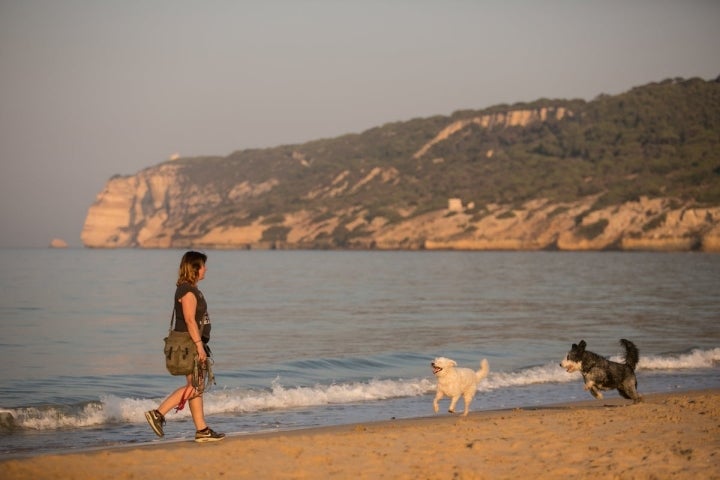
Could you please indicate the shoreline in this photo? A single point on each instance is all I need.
(669, 435)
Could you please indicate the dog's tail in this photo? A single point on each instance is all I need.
(484, 370)
(632, 355)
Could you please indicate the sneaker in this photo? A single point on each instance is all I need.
(208, 435)
(156, 421)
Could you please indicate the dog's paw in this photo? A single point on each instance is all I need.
(596, 393)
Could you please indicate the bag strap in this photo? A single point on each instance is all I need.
(172, 318)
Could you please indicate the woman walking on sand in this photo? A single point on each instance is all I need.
(189, 304)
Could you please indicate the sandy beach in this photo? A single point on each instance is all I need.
(667, 436)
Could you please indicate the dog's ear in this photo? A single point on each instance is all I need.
(582, 344)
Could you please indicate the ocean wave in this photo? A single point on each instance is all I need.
(54, 417)
(695, 358)
(112, 409)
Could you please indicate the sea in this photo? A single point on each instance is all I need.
(305, 339)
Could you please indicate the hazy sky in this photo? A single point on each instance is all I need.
(94, 88)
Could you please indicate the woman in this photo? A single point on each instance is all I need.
(189, 304)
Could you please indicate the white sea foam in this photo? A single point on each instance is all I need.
(696, 358)
(548, 373)
(57, 417)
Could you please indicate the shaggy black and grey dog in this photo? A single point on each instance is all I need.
(600, 373)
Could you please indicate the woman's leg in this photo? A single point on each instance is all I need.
(198, 415)
(156, 418)
(174, 399)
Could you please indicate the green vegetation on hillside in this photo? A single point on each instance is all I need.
(661, 139)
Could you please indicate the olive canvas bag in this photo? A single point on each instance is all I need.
(180, 353)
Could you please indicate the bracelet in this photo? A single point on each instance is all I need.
(198, 341)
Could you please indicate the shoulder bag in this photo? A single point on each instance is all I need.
(180, 351)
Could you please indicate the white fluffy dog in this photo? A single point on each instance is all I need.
(454, 381)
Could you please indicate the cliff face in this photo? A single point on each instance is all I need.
(639, 171)
(161, 208)
(512, 118)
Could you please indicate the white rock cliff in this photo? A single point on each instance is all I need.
(159, 208)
